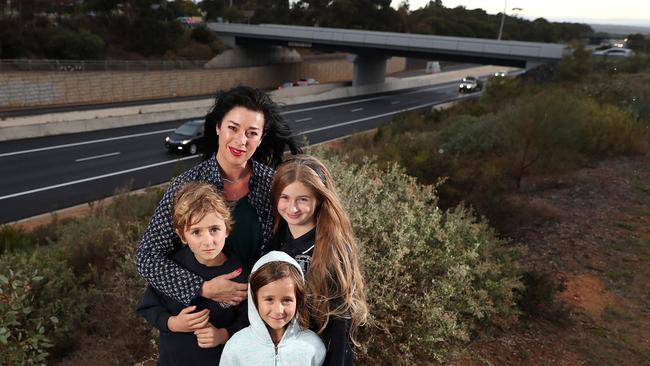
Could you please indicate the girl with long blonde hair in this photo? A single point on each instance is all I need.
(312, 227)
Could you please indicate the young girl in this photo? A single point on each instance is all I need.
(277, 335)
(312, 227)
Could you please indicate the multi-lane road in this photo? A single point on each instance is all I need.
(46, 174)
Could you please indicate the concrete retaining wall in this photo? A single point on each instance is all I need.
(52, 124)
(38, 89)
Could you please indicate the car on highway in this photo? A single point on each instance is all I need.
(286, 85)
(188, 138)
(500, 74)
(616, 52)
(306, 82)
(470, 84)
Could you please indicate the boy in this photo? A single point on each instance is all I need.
(195, 335)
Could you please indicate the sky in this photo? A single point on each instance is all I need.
(624, 12)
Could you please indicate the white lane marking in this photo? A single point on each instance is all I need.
(94, 178)
(169, 130)
(97, 156)
(356, 110)
(368, 99)
(368, 118)
(395, 102)
(84, 143)
(303, 119)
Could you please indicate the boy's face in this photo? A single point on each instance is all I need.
(206, 239)
(276, 303)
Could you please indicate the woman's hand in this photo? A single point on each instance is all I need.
(186, 321)
(210, 336)
(223, 289)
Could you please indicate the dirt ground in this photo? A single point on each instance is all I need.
(595, 240)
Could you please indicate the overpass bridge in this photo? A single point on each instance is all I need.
(373, 48)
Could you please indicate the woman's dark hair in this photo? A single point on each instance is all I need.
(277, 134)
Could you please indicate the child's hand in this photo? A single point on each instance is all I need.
(223, 289)
(209, 336)
(186, 321)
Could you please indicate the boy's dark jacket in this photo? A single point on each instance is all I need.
(182, 348)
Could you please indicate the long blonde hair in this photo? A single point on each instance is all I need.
(334, 282)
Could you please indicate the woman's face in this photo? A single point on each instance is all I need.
(239, 135)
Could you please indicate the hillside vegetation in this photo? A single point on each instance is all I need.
(96, 30)
(425, 194)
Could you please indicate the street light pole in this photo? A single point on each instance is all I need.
(503, 19)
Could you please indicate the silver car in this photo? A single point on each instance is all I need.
(615, 52)
(470, 84)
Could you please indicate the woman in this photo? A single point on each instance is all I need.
(245, 139)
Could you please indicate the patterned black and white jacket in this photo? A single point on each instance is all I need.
(159, 240)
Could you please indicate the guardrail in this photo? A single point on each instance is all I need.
(9, 65)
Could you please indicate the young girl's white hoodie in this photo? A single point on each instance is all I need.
(253, 345)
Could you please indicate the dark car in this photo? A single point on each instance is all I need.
(187, 138)
(470, 84)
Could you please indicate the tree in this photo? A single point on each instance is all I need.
(574, 67)
(271, 11)
(638, 43)
(184, 8)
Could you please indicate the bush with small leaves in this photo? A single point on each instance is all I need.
(14, 238)
(431, 276)
(41, 305)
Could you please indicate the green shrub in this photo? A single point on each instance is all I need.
(431, 276)
(41, 305)
(68, 44)
(501, 91)
(575, 66)
(469, 135)
(89, 246)
(101, 248)
(612, 131)
(609, 90)
(545, 134)
(203, 35)
(129, 208)
(153, 37)
(539, 298)
(97, 251)
(13, 238)
(116, 287)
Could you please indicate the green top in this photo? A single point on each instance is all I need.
(245, 236)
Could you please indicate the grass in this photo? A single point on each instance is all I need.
(613, 313)
(625, 225)
(641, 185)
(620, 275)
(632, 244)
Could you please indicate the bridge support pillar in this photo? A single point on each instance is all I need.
(532, 64)
(368, 70)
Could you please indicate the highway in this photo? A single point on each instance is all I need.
(45, 174)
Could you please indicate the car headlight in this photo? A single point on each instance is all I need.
(185, 142)
(167, 139)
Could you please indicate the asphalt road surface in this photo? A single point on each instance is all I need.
(45, 174)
